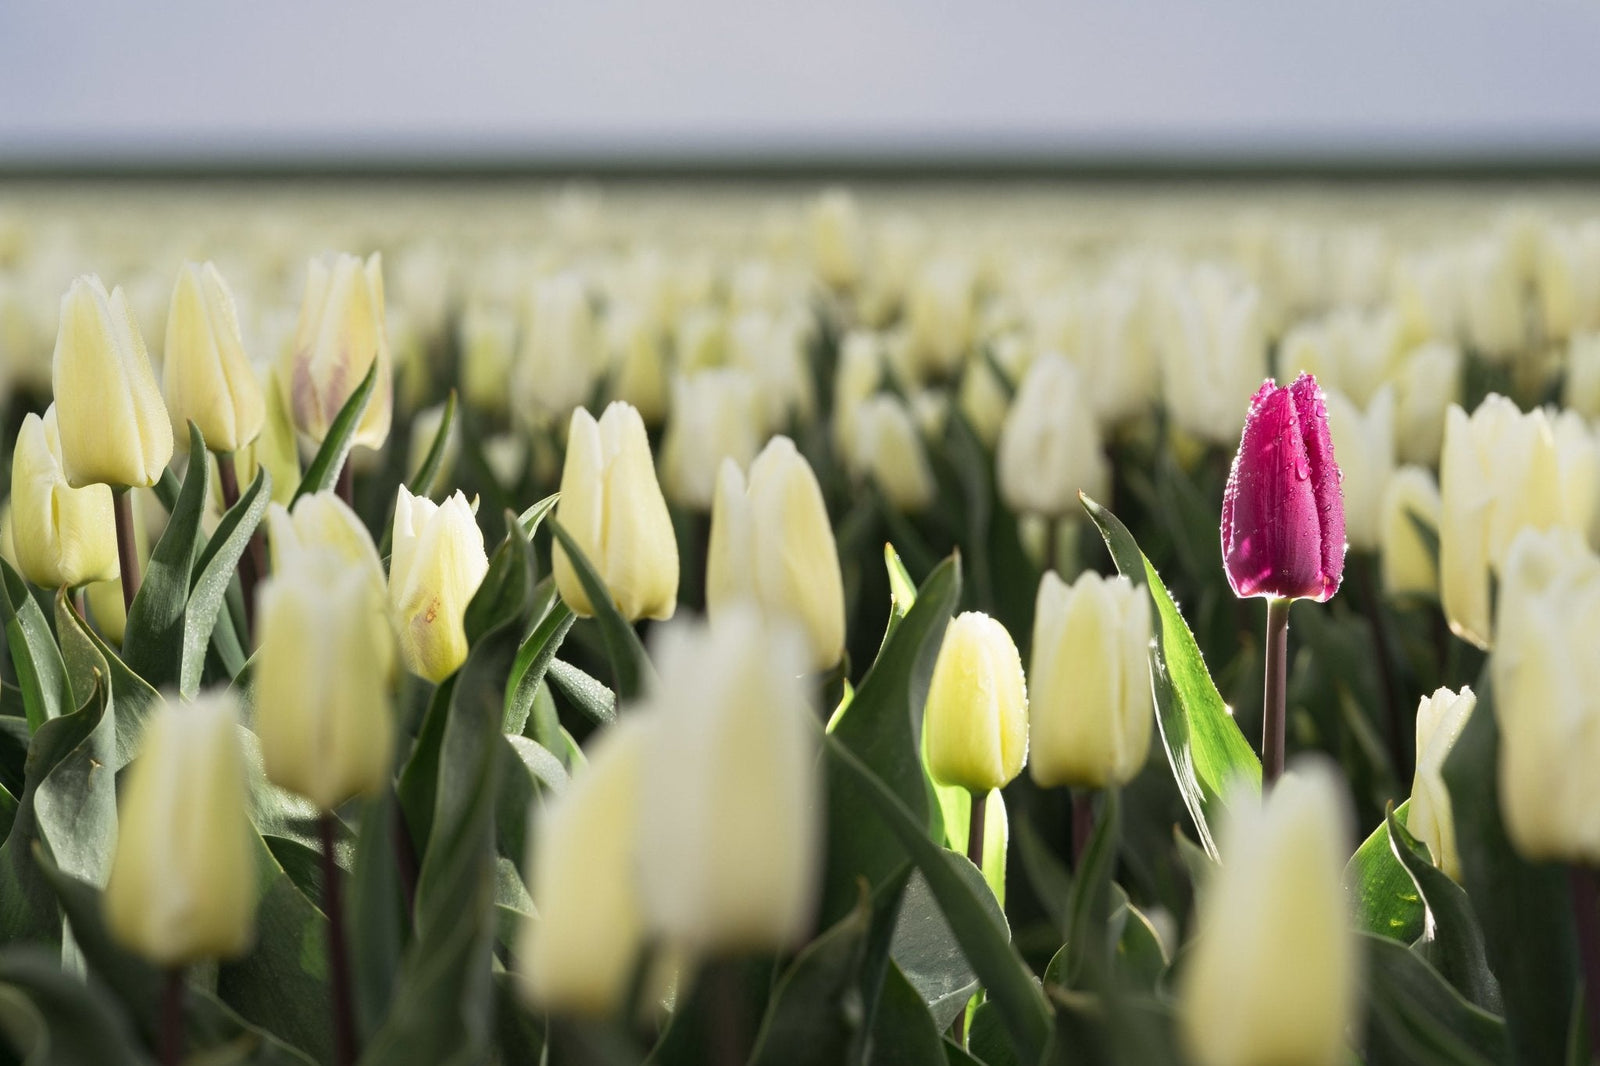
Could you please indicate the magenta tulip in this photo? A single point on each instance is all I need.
(1282, 514)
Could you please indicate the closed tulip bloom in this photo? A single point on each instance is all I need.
(1049, 447)
(1090, 706)
(63, 537)
(113, 424)
(1578, 462)
(939, 315)
(1282, 514)
(612, 506)
(206, 377)
(1546, 681)
(889, 452)
(322, 679)
(322, 521)
(275, 447)
(731, 819)
(437, 565)
(1499, 474)
(1213, 349)
(638, 363)
(1408, 564)
(838, 240)
(1364, 442)
(859, 374)
(340, 335)
(578, 955)
(716, 415)
(1440, 719)
(183, 878)
(1426, 384)
(487, 337)
(562, 354)
(975, 722)
(1271, 975)
(772, 544)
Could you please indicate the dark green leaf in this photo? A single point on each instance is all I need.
(40, 672)
(379, 921)
(505, 593)
(422, 482)
(533, 517)
(1453, 943)
(984, 940)
(586, 695)
(212, 575)
(927, 954)
(904, 1033)
(1205, 749)
(323, 473)
(1090, 937)
(419, 778)
(70, 1020)
(628, 659)
(1416, 1019)
(1386, 899)
(1523, 909)
(154, 644)
(533, 659)
(814, 1017)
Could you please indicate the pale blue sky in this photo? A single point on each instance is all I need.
(323, 80)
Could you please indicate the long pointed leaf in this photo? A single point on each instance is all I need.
(153, 647)
(628, 659)
(323, 473)
(213, 573)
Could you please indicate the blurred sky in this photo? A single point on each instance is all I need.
(336, 80)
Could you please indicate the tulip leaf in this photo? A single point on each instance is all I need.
(422, 481)
(583, 692)
(323, 473)
(154, 642)
(904, 1032)
(880, 727)
(51, 1015)
(209, 1023)
(1386, 899)
(1091, 940)
(1452, 941)
(1207, 752)
(533, 517)
(925, 951)
(814, 1016)
(969, 909)
(41, 675)
(1416, 1019)
(212, 575)
(1524, 909)
(419, 777)
(505, 593)
(380, 920)
(533, 660)
(628, 659)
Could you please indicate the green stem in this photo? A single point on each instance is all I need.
(1082, 824)
(1273, 709)
(127, 548)
(344, 1030)
(975, 825)
(1586, 917)
(172, 1017)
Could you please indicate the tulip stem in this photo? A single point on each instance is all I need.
(1273, 706)
(1082, 824)
(251, 564)
(975, 825)
(344, 1033)
(172, 1017)
(345, 486)
(1586, 916)
(127, 550)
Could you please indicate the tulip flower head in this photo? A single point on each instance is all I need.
(206, 377)
(341, 333)
(438, 563)
(975, 723)
(1440, 719)
(61, 537)
(1282, 514)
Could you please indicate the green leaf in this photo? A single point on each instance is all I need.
(927, 953)
(1385, 897)
(1416, 1019)
(814, 1016)
(1205, 749)
(212, 575)
(1091, 940)
(380, 923)
(323, 473)
(1141, 956)
(209, 1024)
(904, 1033)
(40, 673)
(984, 940)
(419, 778)
(422, 481)
(1452, 943)
(90, 664)
(955, 810)
(583, 692)
(880, 727)
(629, 662)
(533, 660)
(53, 1016)
(506, 591)
(533, 517)
(154, 645)
(1523, 909)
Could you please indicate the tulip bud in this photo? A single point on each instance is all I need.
(1547, 696)
(889, 452)
(984, 400)
(578, 955)
(939, 315)
(183, 878)
(1440, 719)
(340, 334)
(322, 678)
(275, 447)
(858, 376)
(612, 507)
(730, 825)
(975, 722)
(437, 565)
(1282, 515)
(560, 361)
(715, 416)
(1427, 383)
(322, 521)
(1578, 460)
(772, 543)
(1271, 975)
(1499, 474)
(1090, 704)
(488, 339)
(1049, 446)
(1409, 565)
(114, 428)
(63, 537)
(1213, 351)
(206, 377)
(1581, 392)
(638, 364)
(837, 239)
(1364, 442)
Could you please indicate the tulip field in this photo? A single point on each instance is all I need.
(771, 624)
